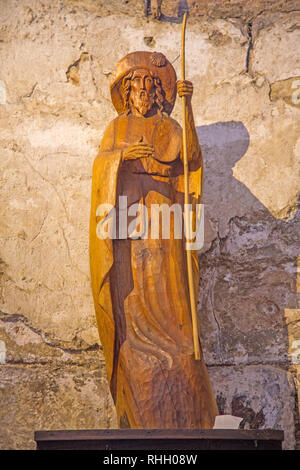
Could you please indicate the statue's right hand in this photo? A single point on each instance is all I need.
(139, 150)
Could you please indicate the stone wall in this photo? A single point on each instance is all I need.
(56, 60)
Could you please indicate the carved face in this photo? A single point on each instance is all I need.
(142, 94)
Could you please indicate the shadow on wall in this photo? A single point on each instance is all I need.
(155, 8)
(248, 271)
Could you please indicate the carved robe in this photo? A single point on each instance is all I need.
(140, 286)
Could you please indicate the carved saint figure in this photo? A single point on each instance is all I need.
(139, 283)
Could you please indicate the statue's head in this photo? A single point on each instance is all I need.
(144, 83)
(142, 92)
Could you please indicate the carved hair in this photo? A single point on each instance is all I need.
(159, 93)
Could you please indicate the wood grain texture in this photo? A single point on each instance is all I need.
(140, 285)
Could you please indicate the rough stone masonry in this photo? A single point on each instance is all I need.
(56, 60)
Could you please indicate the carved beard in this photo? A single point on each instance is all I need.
(142, 101)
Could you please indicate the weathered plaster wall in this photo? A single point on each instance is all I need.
(56, 59)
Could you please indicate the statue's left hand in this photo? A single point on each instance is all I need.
(184, 88)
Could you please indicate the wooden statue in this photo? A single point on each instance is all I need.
(140, 284)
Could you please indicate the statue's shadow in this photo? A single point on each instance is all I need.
(248, 267)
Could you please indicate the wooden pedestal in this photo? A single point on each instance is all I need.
(159, 439)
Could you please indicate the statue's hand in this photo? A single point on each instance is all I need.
(184, 88)
(139, 150)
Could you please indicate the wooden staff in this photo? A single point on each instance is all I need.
(186, 202)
